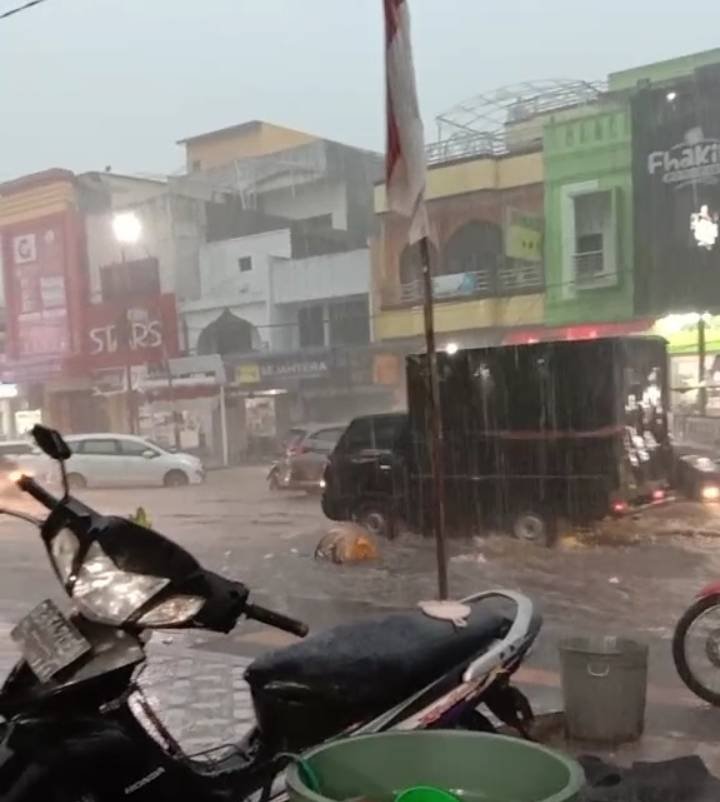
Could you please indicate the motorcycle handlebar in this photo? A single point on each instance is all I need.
(277, 620)
(37, 491)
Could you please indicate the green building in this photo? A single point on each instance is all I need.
(596, 269)
(588, 215)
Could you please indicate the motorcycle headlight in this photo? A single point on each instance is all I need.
(173, 611)
(109, 595)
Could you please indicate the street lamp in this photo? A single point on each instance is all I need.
(127, 229)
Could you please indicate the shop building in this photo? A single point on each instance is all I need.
(45, 289)
(284, 277)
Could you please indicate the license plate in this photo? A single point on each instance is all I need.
(48, 641)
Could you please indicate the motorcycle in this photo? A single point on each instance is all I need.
(77, 726)
(696, 645)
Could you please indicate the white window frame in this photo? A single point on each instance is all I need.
(609, 276)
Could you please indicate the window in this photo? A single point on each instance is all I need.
(311, 326)
(349, 323)
(97, 447)
(196, 164)
(245, 264)
(374, 433)
(133, 448)
(594, 257)
(327, 437)
(358, 435)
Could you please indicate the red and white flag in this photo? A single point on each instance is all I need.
(405, 156)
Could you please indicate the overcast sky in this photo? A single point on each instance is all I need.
(89, 83)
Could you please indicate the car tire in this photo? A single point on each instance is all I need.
(377, 518)
(678, 649)
(176, 478)
(76, 481)
(532, 526)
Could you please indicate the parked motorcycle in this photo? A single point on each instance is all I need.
(78, 726)
(696, 645)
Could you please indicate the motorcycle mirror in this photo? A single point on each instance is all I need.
(51, 442)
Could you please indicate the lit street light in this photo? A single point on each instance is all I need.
(127, 228)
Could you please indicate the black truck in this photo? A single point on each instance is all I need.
(532, 434)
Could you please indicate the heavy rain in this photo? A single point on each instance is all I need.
(358, 377)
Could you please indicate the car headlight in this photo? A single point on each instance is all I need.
(109, 595)
(173, 611)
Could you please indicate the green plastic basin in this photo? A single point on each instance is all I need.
(478, 767)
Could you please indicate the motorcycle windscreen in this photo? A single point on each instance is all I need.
(113, 569)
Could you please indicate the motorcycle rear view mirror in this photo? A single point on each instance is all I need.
(51, 442)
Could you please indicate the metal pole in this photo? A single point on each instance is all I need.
(223, 426)
(702, 389)
(130, 397)
(173, 404)
(126, 338)
(434, 425)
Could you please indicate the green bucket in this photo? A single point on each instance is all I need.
(471, 766)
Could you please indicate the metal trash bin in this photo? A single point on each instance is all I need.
(604, 685)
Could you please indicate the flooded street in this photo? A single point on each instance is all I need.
(636, 578)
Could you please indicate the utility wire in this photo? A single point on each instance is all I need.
(18, 9)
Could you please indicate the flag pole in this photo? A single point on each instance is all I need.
(434, 424)
(405, 168)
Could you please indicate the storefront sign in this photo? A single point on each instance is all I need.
(35, 258)
(282, 370)
(142, 331)
(247, 374)
(676, 178)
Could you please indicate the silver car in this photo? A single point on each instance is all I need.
(306, 449)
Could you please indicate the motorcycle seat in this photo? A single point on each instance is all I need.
(375, 659)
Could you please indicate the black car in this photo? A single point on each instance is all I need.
(365, 477)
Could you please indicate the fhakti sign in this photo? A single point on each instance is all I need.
(676, 204)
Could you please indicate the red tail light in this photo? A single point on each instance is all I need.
(658, 494)
(619, 507)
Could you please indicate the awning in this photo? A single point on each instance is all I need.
(583, 331)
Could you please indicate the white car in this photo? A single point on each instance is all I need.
(124, 460)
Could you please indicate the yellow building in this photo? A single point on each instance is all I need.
(245, 141)
(486, 213)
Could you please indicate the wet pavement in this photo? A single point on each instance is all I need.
(634, 579)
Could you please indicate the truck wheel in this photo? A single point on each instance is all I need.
(533, 527)
(376, 517)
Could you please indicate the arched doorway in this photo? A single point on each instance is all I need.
(475, 250)
(228, 334)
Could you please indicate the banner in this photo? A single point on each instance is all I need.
(35, 258)
(676, 177)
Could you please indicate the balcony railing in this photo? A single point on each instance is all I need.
(480, 283)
